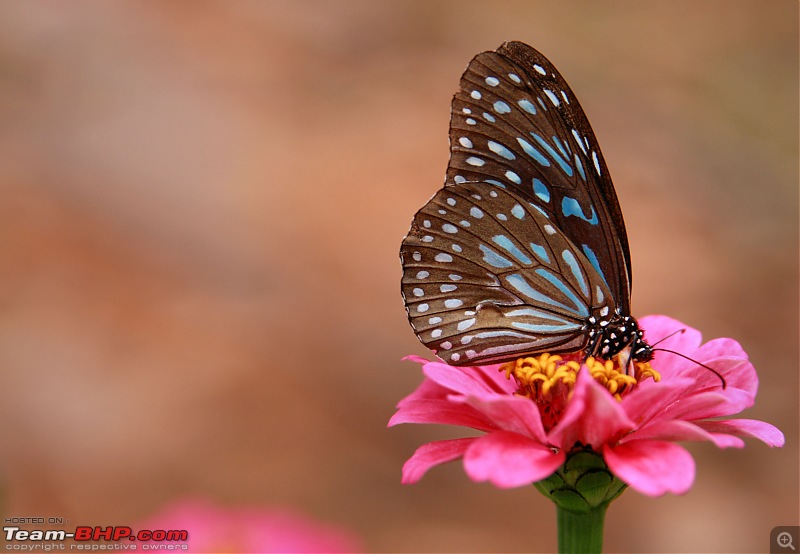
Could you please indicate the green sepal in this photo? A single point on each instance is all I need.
(582, 483)
(582, 489)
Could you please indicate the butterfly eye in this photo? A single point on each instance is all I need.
(528, 225)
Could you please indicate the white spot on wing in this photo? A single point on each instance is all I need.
(498, 148)
(466, 324)
(578, 140)
(596, 162)
(553, 98)
(501, 107)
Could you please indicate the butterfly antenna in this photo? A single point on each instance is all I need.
(711, 369)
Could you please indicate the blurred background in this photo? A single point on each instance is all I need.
(202, 208)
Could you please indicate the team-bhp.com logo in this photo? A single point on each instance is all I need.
(89, 538)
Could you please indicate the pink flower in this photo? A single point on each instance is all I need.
(214, 528)
(531, 422)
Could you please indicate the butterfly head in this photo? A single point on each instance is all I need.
(641, 351)
(609, 337)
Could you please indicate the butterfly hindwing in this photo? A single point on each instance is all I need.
(516, 122)
(487, 276)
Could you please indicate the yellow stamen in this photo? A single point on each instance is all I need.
(543, 377)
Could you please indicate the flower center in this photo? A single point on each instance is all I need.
(549, 380)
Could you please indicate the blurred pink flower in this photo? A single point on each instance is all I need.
(528, 432)
(216, 529)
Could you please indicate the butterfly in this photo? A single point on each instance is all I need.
(524, 249)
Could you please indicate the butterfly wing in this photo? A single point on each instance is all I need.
(516, 122)
(488, 276)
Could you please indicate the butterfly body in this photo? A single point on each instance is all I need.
(524, 250)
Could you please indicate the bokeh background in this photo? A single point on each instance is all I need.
(201, 209)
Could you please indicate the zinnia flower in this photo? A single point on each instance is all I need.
(535, 412)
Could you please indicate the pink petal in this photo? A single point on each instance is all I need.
(442, 412)
(427, 390)
(415, 358)
(510, 460)
(652, 467)
(433, 454)
(461, 380)
(657, 327)
(727, 357)
(722, 348)
(677, 430)
(765, 432)
(688, 397)
(693, 406)
(593, 417)
(510, 413)
(738, 373)
(650, 400)
(702, 405)
(495, 378)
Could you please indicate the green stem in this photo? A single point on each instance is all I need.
(580, 533)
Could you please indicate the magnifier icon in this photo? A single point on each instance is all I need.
(785, 540)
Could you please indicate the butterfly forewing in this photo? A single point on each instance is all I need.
(488, 276)
(515, 122)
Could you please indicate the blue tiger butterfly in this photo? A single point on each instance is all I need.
(524, 250)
